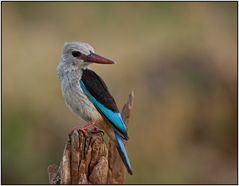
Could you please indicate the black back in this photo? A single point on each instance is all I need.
(97, 88)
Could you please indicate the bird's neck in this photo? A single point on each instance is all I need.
(66, 70)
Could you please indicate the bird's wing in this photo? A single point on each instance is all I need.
(97, 92)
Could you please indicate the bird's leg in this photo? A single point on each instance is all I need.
(84, 128)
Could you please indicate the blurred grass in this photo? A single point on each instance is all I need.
(179, 58)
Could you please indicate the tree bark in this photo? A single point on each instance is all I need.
(89, 159)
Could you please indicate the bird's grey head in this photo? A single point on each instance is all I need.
(81, 55)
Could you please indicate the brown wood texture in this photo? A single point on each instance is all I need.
(89, 159)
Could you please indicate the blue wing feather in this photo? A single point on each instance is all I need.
(122, 152)
(114, 117)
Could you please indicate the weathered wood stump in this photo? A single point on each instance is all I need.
(89, 160)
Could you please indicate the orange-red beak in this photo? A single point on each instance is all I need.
(95, 58)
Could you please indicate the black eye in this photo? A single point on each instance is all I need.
(76, 53)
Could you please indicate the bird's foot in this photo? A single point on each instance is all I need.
(97, 131)
(84, 131)
(78, 129)
(83, 128)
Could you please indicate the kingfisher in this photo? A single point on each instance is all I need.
(87, 95)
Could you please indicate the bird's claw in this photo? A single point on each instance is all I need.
(79, 129)
(84, 131)
(84, 128)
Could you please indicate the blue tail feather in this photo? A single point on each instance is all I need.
(122, 152)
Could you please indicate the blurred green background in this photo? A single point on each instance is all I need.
(179, 58)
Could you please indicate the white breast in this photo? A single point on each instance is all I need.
(76, 99)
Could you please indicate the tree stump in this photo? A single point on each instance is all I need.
(89, 160)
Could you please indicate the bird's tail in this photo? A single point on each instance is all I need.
(122, 152)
